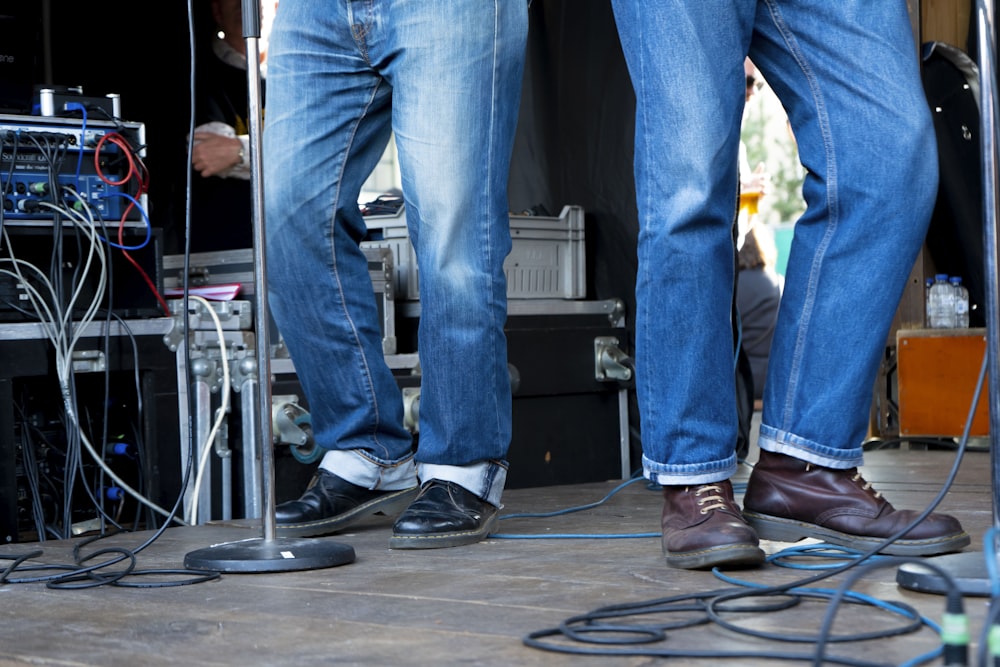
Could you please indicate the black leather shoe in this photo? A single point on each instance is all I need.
(330, 504)
(443, 515)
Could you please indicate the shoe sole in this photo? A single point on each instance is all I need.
(735, 555)
(789, 530)
(442, 540)
(389, 504)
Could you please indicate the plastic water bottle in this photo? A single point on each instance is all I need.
(941, 304)
(961, 302)
(927, 301)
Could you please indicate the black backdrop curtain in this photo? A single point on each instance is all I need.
(574, 144)
(575, 136)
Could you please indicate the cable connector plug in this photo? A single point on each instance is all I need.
(955, 638)
(993, 644)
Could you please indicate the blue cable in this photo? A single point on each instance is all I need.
(573, 536)
(149, 227)
(822, 550)
(737, 488)
(989, 552)
(537, 515)
(854, 595)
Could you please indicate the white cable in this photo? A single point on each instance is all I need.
(54, 325)
(85, 224)
(65, 371)
(206, 447)
(37, 300)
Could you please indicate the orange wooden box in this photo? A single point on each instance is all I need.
(937, 370)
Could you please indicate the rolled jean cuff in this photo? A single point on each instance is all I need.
(485, 479)
(353, 466)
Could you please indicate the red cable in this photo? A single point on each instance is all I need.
(142, 175)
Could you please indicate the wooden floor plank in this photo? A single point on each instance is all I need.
(463, 606)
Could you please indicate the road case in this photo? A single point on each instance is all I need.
(122, 400)
(571, 381)
(231, 272)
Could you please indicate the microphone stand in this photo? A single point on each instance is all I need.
(266, 554)
(970, 569)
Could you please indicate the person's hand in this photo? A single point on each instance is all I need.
(214, 154)
(758, 182)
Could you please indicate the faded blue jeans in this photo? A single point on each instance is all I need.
(445, 77)
(847, 74)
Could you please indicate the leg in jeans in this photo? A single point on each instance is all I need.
(845, 274)
(855, 101)
(341, 76)
(686, 63)
(454, 116)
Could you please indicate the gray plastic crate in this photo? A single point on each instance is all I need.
(547, 259)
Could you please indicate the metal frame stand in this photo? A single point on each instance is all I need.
(970, 569)
(267, 554)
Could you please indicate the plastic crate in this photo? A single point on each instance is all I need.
(547, 259)
(390, 231)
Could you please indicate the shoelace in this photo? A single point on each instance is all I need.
(716, 499)
(865, 485)
(857, 479)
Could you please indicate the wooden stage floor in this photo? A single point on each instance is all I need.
(475, 605)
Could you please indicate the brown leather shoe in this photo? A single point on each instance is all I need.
(703, 528)
(789, 500)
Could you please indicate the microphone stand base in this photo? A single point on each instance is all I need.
(278, 555)
(968, 568)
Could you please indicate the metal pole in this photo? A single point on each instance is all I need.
(269, 554)
(251, 29)
(986, 58)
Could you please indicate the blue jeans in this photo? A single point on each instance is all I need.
(847, 75)
(445, 77)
